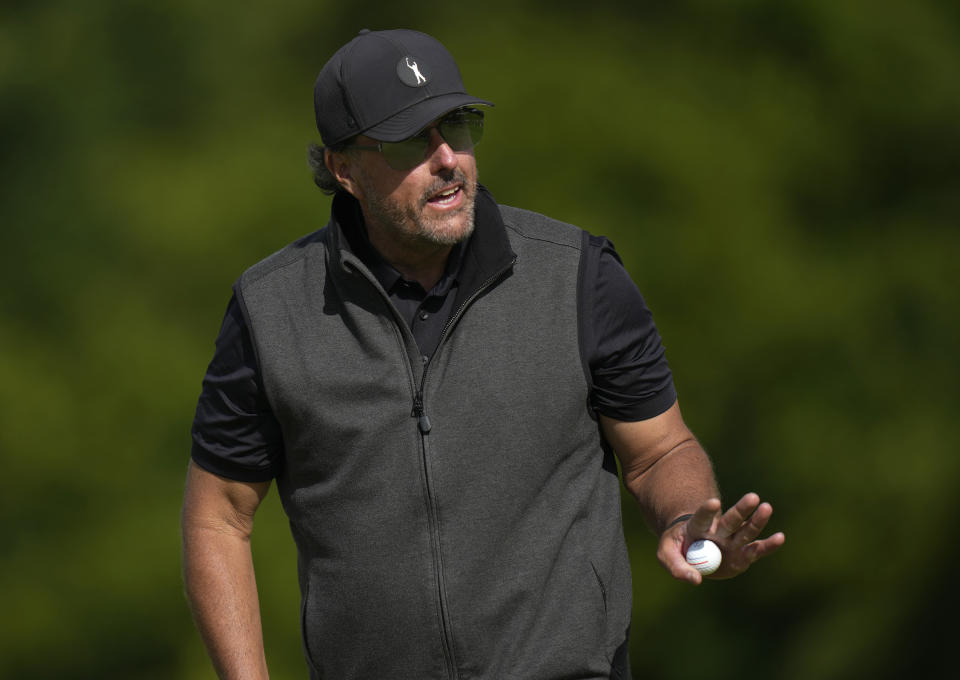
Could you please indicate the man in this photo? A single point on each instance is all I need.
(437, 383)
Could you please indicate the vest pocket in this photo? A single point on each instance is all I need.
(304, 633)
(603, 588)
(603, 596)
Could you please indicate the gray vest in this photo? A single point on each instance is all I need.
(454, 520)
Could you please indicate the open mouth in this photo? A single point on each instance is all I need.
(446, 197)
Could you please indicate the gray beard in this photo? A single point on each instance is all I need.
(397, 218)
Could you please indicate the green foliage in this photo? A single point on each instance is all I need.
(781, 179)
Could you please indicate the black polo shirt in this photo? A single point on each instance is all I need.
(234, 431)
(426, 312)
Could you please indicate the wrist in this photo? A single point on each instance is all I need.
(677, 520)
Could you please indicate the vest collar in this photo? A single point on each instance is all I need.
(487, 253)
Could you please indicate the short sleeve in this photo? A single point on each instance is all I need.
(235, 434)
(624, 355)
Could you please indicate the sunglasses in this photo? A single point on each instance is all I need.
(461, 130)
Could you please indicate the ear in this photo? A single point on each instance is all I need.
(340, 166)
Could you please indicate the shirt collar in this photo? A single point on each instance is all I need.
(484, 253)
(390, 278)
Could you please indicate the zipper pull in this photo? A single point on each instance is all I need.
(423, 422)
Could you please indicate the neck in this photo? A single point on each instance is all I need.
(419, 260)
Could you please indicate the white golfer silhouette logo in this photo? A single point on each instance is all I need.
(412, 65)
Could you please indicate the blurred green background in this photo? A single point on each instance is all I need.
(782, 180)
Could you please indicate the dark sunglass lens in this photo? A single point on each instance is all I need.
(462, 130)
(406, 154)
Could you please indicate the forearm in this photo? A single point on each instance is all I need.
(677, 484)
(670, 475)
(222, 590)
(217, 522)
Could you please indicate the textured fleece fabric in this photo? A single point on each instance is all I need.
(482, 541)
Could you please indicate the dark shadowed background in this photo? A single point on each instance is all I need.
(782, 180)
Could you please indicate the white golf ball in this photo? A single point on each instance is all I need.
(704, 556)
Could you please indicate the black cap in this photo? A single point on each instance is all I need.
(388, 85)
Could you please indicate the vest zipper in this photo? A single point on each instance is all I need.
(423, 424)
(419, 411)
(446, 632)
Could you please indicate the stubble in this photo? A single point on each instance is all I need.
(412, 224)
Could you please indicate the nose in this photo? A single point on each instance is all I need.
(440, 154)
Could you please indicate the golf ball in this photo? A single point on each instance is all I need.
(704, 556)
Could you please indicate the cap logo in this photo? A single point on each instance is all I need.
(410, 73)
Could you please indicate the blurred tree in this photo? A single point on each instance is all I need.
(782, 180)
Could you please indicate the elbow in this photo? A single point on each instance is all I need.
(646, 470)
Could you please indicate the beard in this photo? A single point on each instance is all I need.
(411, 223)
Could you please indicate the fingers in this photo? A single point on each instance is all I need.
(702, 522)
(756, 524)
(742, 547)
(734, 519)
(754, 551)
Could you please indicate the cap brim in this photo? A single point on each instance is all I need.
(411, 120)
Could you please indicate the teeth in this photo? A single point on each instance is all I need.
(445, 196)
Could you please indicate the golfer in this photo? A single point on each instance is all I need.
(440, 386)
